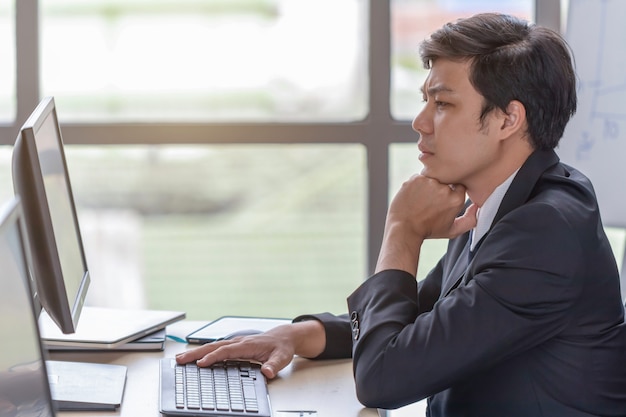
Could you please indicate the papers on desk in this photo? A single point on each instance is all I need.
(86, 386)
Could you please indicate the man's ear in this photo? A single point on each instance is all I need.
(514, 119)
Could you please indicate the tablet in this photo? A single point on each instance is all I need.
(227, 325)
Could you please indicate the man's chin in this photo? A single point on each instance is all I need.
(430, 174)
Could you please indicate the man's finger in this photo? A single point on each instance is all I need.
(466, 222)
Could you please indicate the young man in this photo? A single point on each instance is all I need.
(522, 316)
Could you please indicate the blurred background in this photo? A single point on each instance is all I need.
(230, 156)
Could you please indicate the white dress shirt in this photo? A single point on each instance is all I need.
(487, 212)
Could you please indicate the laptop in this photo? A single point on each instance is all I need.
(24, 389)
(106, 328)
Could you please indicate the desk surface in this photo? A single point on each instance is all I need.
(325, 386)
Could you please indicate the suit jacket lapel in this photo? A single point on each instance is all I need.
(459, 251)
(524, 182)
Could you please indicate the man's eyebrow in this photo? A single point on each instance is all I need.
(436, 89)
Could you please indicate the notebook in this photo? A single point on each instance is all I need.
(231, 388)
(152, 342)
(106, 328)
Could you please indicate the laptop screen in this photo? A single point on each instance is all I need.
(24, 389)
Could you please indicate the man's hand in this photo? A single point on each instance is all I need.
(274, 349)
(423, 208)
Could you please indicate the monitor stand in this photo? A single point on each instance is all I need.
(86, 386)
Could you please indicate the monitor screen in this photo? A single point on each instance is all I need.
(24, 389)
(41, 180)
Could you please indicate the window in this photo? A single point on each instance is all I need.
(215, 229)
(198, 60)
(7, 58)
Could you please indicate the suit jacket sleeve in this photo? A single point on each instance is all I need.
(338, 339)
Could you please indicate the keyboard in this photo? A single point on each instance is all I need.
(231, 388)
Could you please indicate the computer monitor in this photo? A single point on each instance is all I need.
(24, 388)
(41, 179)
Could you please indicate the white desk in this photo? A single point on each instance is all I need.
(324, 386)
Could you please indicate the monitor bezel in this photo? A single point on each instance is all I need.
(29, 184)
(11, 213)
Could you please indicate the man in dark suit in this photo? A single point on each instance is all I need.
(522, 316)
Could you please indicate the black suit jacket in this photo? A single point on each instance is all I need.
(532, 326)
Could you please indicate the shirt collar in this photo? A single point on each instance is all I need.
(488, 211)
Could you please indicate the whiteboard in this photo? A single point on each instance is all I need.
(595, 139)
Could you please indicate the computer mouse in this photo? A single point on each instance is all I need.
(242, 332)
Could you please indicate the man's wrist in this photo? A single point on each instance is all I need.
(309, 338)
(399, 250)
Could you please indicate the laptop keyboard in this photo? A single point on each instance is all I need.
(225, 387)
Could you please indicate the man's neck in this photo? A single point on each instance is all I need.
(510, 162)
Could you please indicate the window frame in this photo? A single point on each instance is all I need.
(376, 132)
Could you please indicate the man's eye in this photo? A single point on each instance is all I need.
(440, 103)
